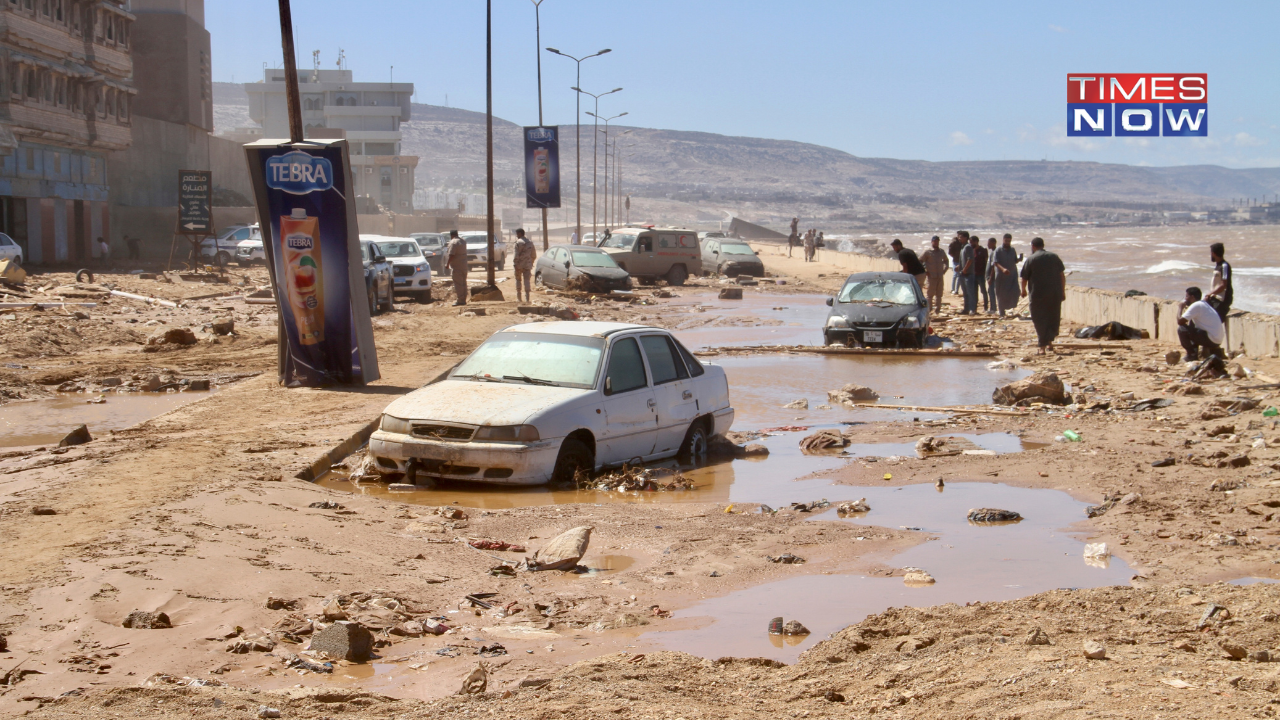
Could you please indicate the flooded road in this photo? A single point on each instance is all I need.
(756, 319)
(45, 422)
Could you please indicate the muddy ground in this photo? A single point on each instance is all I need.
(197, 513)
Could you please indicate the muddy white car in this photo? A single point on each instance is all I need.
(537, 402)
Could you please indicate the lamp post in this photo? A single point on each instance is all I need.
(537, 18)
(617, 176)
(594, 128)
(488, 134)
(606, 164)
(577, 130)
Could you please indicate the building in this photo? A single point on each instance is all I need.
(66, 100)
(367, 114)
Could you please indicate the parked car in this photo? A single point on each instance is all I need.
(433, 246)
(730, 258)
(652, 253)
(878, 309)
(10, 250)
(250, 251)
(539, 402)
(478, 250)
(409, 267)
(710, 234)
(377, 278)
(580, 268)
(225, 247)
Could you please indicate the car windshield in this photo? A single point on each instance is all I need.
(481, 240)
(541, 358)
(736, 249)
(619, 240)
(430, 242)
(897, 292)
(583, 258)
(400, 249)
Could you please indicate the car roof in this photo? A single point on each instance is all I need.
(583, 328)
(567, 246)
(878, 276)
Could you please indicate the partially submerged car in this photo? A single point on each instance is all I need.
(878, 309)
(542, 401)
(577, 267)
(731, 258)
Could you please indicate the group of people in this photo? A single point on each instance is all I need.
(524, 253)
(1202, 318)
(812, 240)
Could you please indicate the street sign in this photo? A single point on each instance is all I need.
(195, 202)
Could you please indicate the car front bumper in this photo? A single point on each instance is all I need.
(528, 464)
(417, 282)
(749, 269)
(890, 337)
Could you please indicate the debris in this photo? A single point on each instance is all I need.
(451, 513)
(344, 640)
(637, 479)
(494, 650)
(1042, 387)
(223, 326)
(1094, 650)
(502, 571)
(915, 577)
(809, 506)
(563, 551)
(846, 508)
(785, 559)
(198, 385)
(775, 626)
(256, 643)
(992, 515)
(1223, 485)
(1176, 683)
(325, 505)
(1111, 331)
(299, 663)
(801, 404)
(275, 603)
(1221, 540)
(833, 696)
(79, 436)
(793, 627)
(1071, 435)
(1037, 636)
(1213, 613)
(173, 336)
(267, 712)
(1151, 404)
(1233, 651)
(853, 393)
(143, 620)
(1097, 551)
(824, 440)
(476, 682)
(43, 510)
(495, 545)
(755, 450)
(1002, 365)
(1167, 462)
(734, 293)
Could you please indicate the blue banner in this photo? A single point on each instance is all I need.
(542, 166)
(308, 221)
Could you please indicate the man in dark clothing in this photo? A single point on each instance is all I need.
(954, 249)
(1045, 277)
(969, 276)
(1220, 294)
(980, 273)
(911, 264)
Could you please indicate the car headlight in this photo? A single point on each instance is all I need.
(420, 268)
(837, 321)
(911, 321)
(507, 433)
(396, 425)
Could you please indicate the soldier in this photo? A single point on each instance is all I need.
(525, 254)
(935, 265)
(455, 260)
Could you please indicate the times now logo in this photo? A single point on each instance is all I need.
(1137, 105)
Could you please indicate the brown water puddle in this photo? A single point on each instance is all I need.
(45, 422)
(970, 563)
(708, 321)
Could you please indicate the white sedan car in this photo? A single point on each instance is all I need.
(10, 250)
(539, 401)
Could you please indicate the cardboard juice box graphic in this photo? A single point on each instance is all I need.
(304, 279)
(541, 171)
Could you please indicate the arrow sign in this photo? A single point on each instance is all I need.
(195, 199)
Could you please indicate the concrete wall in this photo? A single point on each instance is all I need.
(1254, 333)
(172, 68)
(155, 225)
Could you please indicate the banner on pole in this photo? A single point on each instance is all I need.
(542, 166)
(307, 214)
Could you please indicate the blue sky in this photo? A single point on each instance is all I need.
(917, 80)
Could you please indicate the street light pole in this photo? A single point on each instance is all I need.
(617, 177)
(488, 131)
(606, 169)
(594, 129)
(537, 17)
(577, 127)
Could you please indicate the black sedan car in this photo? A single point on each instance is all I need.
(578, 267)
(878, 309)
(730, 257)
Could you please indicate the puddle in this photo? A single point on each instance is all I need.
(970, 563)
(753, 320)
(45, 422)
(1253, 581)
(598, 565)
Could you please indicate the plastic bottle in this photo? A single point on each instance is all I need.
(1270, 412)
(1071, 435)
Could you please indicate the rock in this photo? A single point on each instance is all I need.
(1221, 540)
(152, 384)
(824, 440)
(1237, 371)
(563, 551)
(267, 712)
(111, 382)
(1167, 462)
(562, 311)
(1095, 650)
(223, 326)
(993, 515)
(1213, 613)
(410, 628)
(833, 696)
(801, 404)
(1260, 656)
(476, 682)
(143, 620)
(1189, 389)
(1044, 385)
(1185, 646)
(1173, 357)
(275, 603)
(1037, 636)
(662, 293)
(734, 293)
(1130, 499)
(785, 559)
(1222, 485)
(915, 577)
(1213, 413)
(845, 508)
(1233, 651)
(755, 450)
(793, 627)
(79, 436)
(176, 336)
(1219, 430)
(333, 611)
(1235, 461)
(853, 393)
(198, 385)
(43, 510)
(344, 640)
(4, 644)
(451, 513)
(914, 642)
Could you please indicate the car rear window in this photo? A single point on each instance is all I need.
(663, 363)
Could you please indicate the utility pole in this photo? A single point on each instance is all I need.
(294, 101)
(577, 128)
(537, 46)
(488, 127)
(594, 129)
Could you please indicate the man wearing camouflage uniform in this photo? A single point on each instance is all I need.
(525, 254)
(455, 260)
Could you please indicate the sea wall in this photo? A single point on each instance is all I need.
(1254, 333)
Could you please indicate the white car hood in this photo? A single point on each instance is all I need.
(480, 403)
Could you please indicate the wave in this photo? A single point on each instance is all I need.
(1259, 272)
(1174, 266)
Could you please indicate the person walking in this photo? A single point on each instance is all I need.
(969, 276)
(911, 264)
(935, 267)
(954, 250)
(810, 240)
(104, 252)
(980, 273)
(1045, 277)
(1004, 276)
(522, 263)
(573, 238)
(1221, 294)
(1199, 326)
(455, 260)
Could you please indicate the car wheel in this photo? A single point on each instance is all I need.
(677, 275)
(223, 259)
(373, 301)
(391, 300)
(574, 456)
(695, 442)
(537, 279)
(425, 297)
(502, 265)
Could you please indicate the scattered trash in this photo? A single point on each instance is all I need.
(824, 440)
(731, 293)
(502, 571)
(810, 506)
(847, 508)
(1002, 365)
(1071, 435)
(786, 428)
(1151, 404)
(993, 515)
(775, 626)
(325, 505)
(785, 559)
(801, 404)
(1097, 554)
(636, 479)
(563, 551)
(1271, 412)
(495, 545)
(298, 663)
(1111, 331)
(494, 650)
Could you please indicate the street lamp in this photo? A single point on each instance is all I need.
(577, 132)
(594, 128)
(537, 17)
(606, 163)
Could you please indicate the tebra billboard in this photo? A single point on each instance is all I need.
(542, 167)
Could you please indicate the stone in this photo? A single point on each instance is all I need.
(563, 551)
(853, 393)
(1185, 646)
(143, 620)
(111, 382)
(1235, 461)
(1260, 656)
(827, 439)
(734, 293)
(4, 644)
(793, 627)
(1037, 636)
(79, 436)
(490, 293)
(344, 640)
(1044, 386)
(333, 611)
(223, 326)
(1130, 499)
(846, 508)
(198, 385)
(43, 510)
(755, 450)
(992, 515)
(1173, 357)
(1233, 650)
(475, 682)
(801, 404)
(173, 336)
(275, 603)
(1095, 650)
(152, 384)
(1219, 430)
(915, 577)
(914, 642)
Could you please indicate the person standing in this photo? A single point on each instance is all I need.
(810, 240)
(522, 263)
(1221, 294)
(990, 277)
(911, 264)
(1045, 277)
(980, 273)
(132, 244)
(104, 251)
(1004, 274)
(455, 260)
(1200, 327)
(969, 276)
(573, 238)
(935, 267)
(821, 241)
(954, 250)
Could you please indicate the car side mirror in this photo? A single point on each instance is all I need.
(608, 386)
(831, 302)
(379, 258)
(566, 264)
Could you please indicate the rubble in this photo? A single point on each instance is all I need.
(1043, 387)
(824, 440)
(1094, 650)
(79, 436)
(915, 577)
(992, 515)
(641, 479)
(853, 393)
(849, 508)
(563, 551)
(785, 559)
(344, 640)
(143, 620)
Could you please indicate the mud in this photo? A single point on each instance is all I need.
(41, 422)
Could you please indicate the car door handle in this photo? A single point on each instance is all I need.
(687, 395)
(652, 403)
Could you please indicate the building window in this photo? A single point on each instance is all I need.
(124, 107)
(57, 163)
(32, 92)
(57, 11)
(31, 159)
(44, 7)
